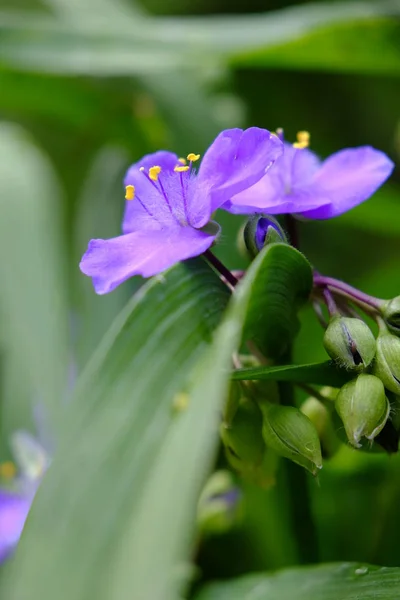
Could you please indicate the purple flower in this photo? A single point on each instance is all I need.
(16, 500)
(14, 509)
(300, 183)
(169, 205)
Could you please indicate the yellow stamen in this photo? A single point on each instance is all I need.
(129, 192)
(154, 172)
(7, 470)
(182, 161)
(303, 140)
(193, 157)
(179, 169)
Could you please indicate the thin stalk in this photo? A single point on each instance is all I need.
(218, 266)
(330, 303)
(299, 494)
(348, 291)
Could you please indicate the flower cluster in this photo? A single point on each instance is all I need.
(169, 205)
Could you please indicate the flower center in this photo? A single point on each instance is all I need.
(303, 140)
(153, 175)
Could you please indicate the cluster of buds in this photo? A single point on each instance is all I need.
(257, 428)
(365, 403)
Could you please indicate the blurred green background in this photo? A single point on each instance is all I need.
(89, 86)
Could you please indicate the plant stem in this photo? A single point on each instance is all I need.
(218, 266)
(330, 303)
(292, 230)
(299, 494)
(344, 289)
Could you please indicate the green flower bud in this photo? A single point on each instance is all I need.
(391, 313)
(363, 408)
(219, 505)
(387, 362)
(321, 418)
(291, 434)
(350, 342)
(243, 437)
(261, 230)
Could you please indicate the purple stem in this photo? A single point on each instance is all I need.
(218, 266)
(330, 303)
(347, 290)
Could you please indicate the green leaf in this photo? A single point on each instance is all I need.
(120, 496)
(355, 36)
(33, 311)
(325, 373)
(283, 284)
(346, 581)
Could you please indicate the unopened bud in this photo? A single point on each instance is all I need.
(391, 313)
(363, 408)
(243, 437)
(350, 342)
(218, 509)
(291, 434)
(387, 361)
(261, 230)
(321, 418)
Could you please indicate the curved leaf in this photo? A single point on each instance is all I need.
(283, 283)
(347, 581)
(325, 373)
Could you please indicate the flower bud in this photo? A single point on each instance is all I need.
(387, 361)
(219, 504)
(243, 437)
(350, 342)
(261, 230)
(291, 434)
(321, 418)
(391, 313)
(363, 408)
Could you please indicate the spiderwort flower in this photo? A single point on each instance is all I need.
(16, 499)
(169, 205)
(300, 183)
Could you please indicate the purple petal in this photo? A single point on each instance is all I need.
(236, 160)
(163, 158)
(146, 253)
(151, 207)
(281, 189)
(13, 512)
(347, 178)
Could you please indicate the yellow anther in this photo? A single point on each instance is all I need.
(182, 161)
(303, 140)
(154, 173)
(193, 157)
(179, 169)
(129, 192)
(7, 470)
(141, 169)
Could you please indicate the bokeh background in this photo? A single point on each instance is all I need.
(89, 86)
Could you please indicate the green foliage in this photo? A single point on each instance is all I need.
(283, 285)
(346, 581)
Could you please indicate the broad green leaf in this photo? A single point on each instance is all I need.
(33, 312)
(325, 373)
(355, 46)
(122, 490)
(111, 45)
(346, 581)
(283, 284)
